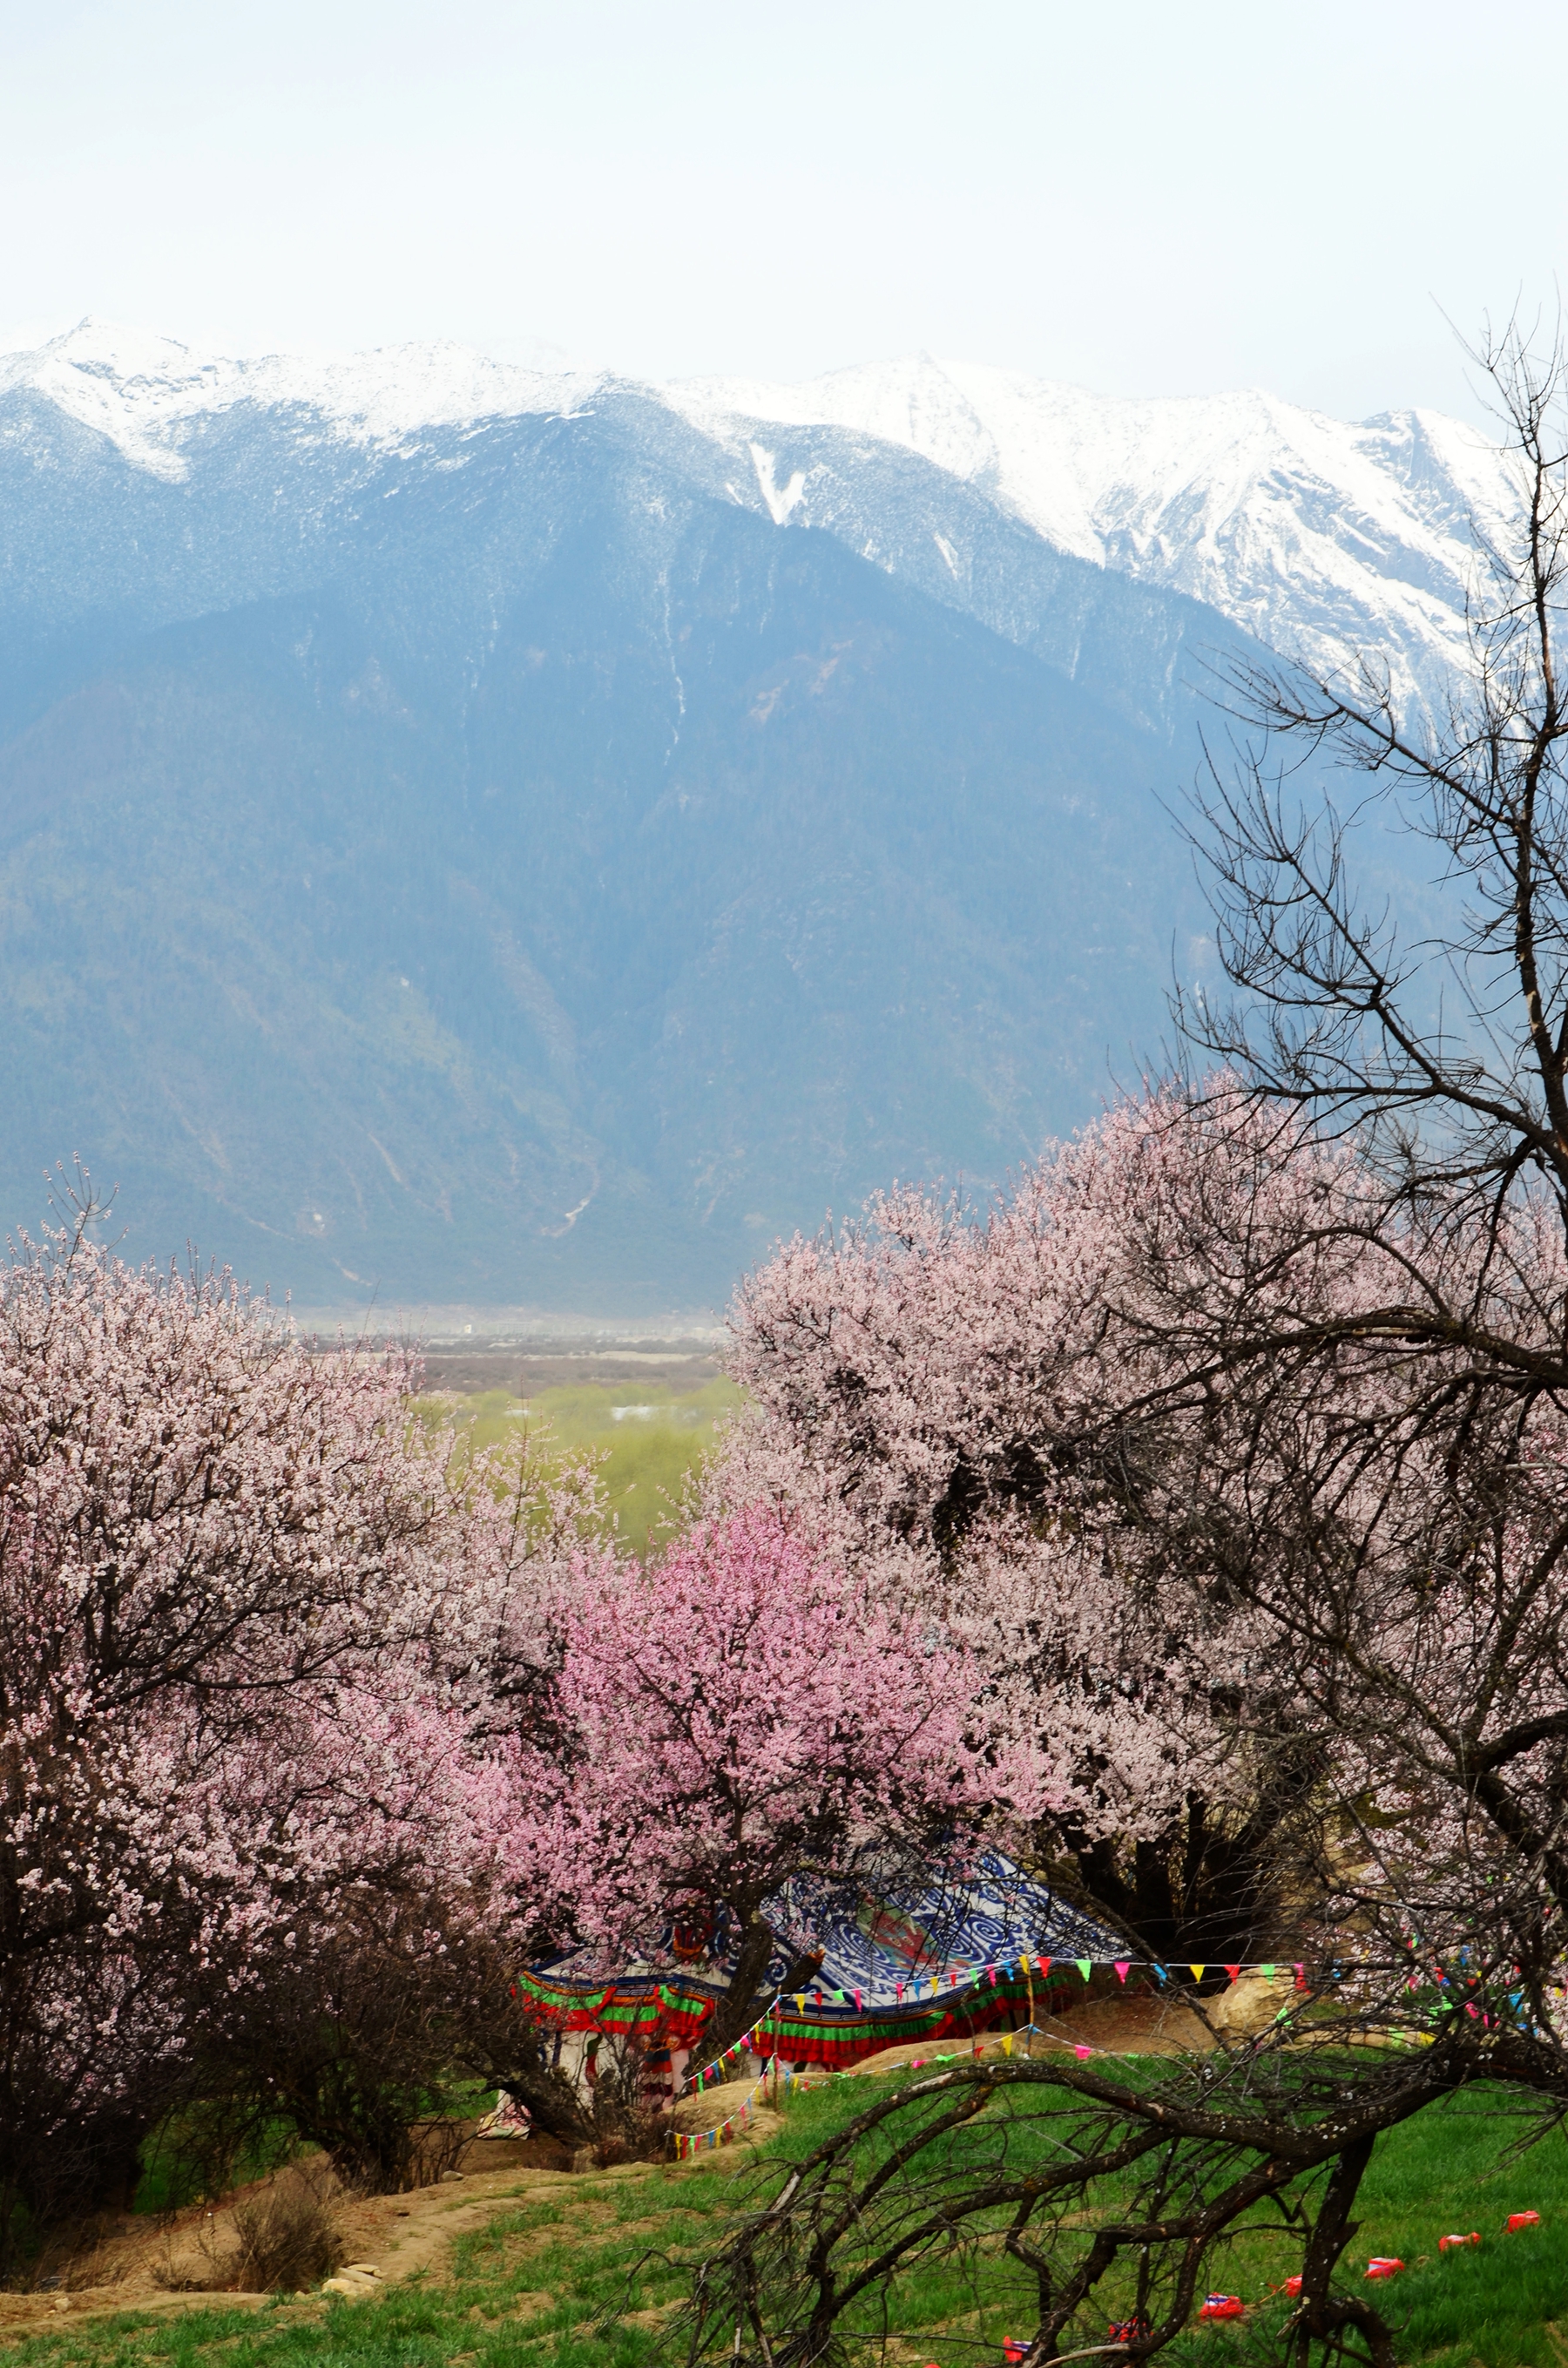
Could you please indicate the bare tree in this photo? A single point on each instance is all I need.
(1107, 2195)
(1447, 1055)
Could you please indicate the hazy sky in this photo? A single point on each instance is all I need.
(1148, 198)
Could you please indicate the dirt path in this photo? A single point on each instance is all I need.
(387, 2238)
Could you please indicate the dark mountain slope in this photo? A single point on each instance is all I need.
(513, 868)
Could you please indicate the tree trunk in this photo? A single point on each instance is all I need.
(748, 1992)
(1324, 2318)
(552, 2102)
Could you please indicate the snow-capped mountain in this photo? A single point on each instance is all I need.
(1319, 538)
(149, 395)
(460, 839)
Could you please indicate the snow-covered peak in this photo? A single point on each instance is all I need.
(1074, 464)
(123, 383)
(142, 392)
(913, 401)
(1317, 535)
(114, 351)
(394, 391)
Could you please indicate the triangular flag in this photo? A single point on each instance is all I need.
(1123, 1967)
(1234, 1972)
(1024, 1963)
(1006, 2042)
(1043, 1965)
(800, 2004)
(1084, 1965)
(1197, 1973)
(1268, 1972)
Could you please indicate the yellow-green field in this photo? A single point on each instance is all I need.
(648, 1437)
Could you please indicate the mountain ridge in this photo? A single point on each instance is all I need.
(1316, 536)
(540, 856)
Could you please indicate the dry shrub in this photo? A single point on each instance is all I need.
(288, 2235)
(630, 2122)
(75, 2253)
(286, 2239)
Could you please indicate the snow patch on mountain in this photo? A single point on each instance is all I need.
(780, 500)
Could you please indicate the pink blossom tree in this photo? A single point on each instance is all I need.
(1081, 1431)
(1249, 1489)
(252, 1631)
(743, 1714)
(383, 1969)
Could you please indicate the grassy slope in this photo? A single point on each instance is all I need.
(646, 1454)
(593, 2276)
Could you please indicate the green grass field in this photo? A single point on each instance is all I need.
(1452, 2169)
(648, 1435)
(593, 2273)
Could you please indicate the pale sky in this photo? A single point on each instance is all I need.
(1145, 199)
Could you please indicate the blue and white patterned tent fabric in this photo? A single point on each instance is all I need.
(888, 1943)
(940, 1933)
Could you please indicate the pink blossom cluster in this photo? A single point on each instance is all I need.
(928, 1385)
